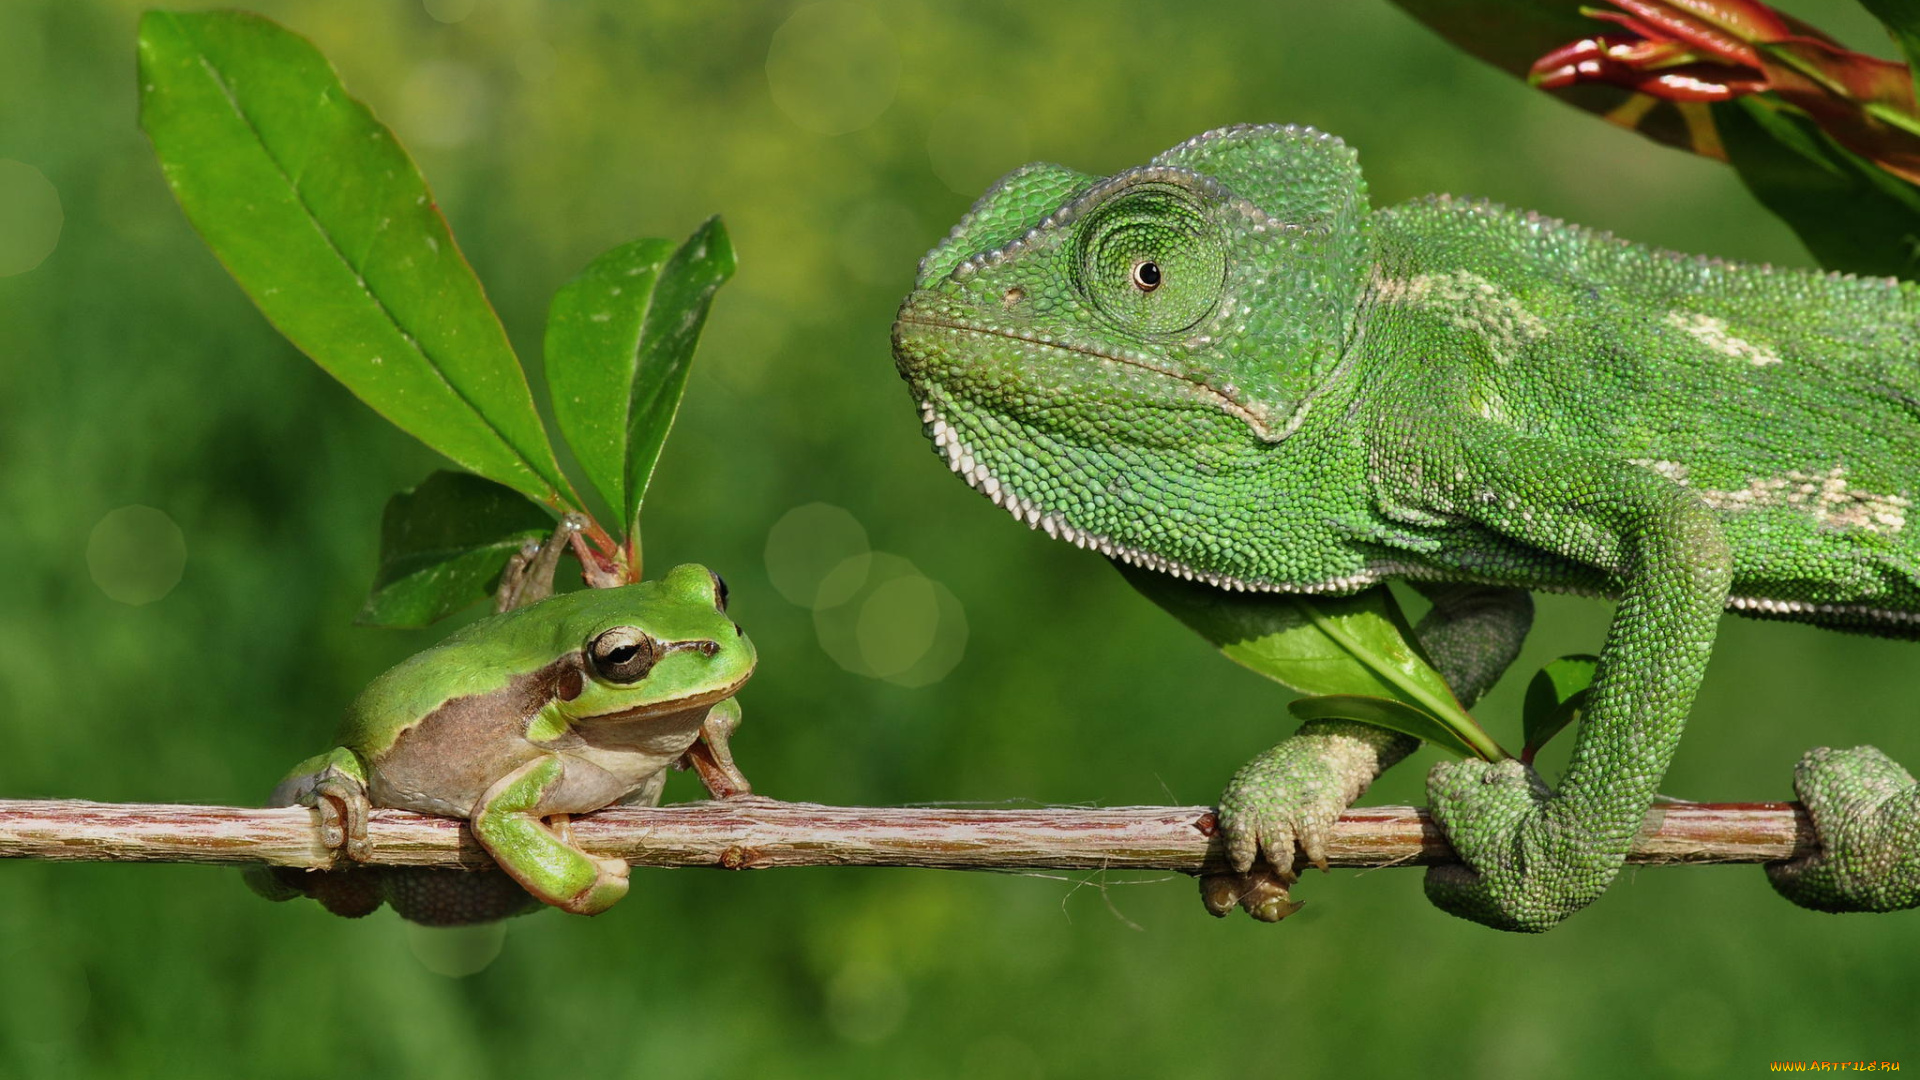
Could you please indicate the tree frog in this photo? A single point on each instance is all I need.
(557, 708)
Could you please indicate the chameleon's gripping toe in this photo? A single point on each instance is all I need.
(1282, 806)
(1866, 812)
(1520, 869)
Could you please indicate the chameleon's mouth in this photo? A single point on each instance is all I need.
(911, 356)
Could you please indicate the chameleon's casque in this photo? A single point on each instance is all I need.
(1224, 365)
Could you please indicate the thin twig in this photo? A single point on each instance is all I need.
(751, 833)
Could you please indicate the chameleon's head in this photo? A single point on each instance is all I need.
(1099, 355)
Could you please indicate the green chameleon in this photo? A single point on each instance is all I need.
(557, 708)
(1225, 366)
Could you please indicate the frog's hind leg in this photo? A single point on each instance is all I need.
(508, 823)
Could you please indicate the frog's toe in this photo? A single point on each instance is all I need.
(1516, 873)
(343, 806)
(1866, 814)
(609, 885)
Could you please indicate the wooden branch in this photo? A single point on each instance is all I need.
(752, 833)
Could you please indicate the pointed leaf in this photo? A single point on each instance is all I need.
(1338, 645)
(620, 341)
(1383, 712)
(686, 288)
(1556, 697)
(324, 221)
(592, 352)
(443, 544)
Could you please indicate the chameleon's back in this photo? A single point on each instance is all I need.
(1788, 400)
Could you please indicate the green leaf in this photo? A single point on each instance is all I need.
(443, 544)
(324, 221)
(1556, 697)
(620, 341)
(1386, 713)
(1852, 215)
(1359, 645)
(592, 352)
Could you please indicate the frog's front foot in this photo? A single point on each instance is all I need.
(1282, 805)
(711, 757)
(335, 784)
(1520, 869)
(343, 805)
(1866, 813)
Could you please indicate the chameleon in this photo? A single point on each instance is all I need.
(1227, 366)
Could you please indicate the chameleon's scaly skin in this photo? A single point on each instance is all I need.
(1223, 365)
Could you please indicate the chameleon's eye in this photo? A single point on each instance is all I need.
(1151, 261)
(623, 654)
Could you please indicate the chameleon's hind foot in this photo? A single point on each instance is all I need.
(1262, 892)
(1866, 813)
(1519, 869)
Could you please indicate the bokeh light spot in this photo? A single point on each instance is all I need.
(807, 545)
(974, 142)
(136, 554)
(833, 67)
(896, 625)
(30, 217)
(457, 951)
(442, 104)
(886, 620)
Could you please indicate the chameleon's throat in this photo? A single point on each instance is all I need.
(960, 458)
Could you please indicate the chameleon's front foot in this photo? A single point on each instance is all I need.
(1866, 813)
(1523, 871)
(1282, 805)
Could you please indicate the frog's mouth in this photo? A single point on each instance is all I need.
(661, 709)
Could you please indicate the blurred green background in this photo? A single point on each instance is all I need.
(840, 141)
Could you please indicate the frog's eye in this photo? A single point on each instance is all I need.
(719, 591)
(1151, 261)
(623, 654)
